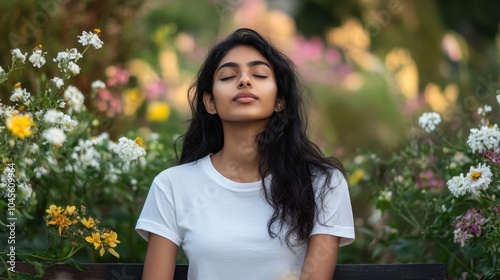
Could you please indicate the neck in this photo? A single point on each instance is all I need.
(238, 160)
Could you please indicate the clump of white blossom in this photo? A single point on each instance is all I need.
(18, 56)
(484, 139)
(483, 111)
(54, 136)
(63, 121)
(98, 84)
(58, 82)
(75, 98)
(429, 120)
(91, 38)
(128, 150)
(37, 57)
(66, 61)
(20, 94)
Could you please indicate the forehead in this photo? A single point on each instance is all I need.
(242, 55)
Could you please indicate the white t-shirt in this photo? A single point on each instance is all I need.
(222, 224)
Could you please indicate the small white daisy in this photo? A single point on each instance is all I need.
(19, 94)
(483, 111)
(478, 178)
(457, 186)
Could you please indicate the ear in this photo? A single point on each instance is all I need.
(209, 102)
(280, 105)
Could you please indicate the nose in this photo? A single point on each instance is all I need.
(244, 81)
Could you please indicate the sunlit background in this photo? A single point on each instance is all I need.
(371, 67)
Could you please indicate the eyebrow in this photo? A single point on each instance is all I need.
(250, 64)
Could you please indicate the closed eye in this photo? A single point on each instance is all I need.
(260, 76)
(227, 78)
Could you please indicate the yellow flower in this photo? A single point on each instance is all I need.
(110, 238)
(95, 240)
(20, 125)
(61, 222)
(139, 142)
(17, 85)
(70, 210)
(90, 223)
(356, 176)
(97, 31)
(157, 111)
(54, 210)
(113, 252)
(132, 100)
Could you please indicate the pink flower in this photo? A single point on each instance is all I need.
(117, 76)
(155, 90)
(428, 179)
(468, 226)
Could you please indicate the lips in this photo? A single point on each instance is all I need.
(245, 95)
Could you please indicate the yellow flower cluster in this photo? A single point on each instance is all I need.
(61, 219)
(103, 242)
(67, 223)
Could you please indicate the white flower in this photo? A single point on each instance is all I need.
(75, 98)
(428, 121)
(72, 68)
(17, 55)
(59, 118)
(37, 58)
(58, 82)
(90, 38)
(478, 178)
(98, 84)
(128, 150)
(482, 111)
(52, 116)
(63, 59)
(19, 95)
(2, 72)
(67, 123)
(61, 104)
(26, 191)
(54, 136)
(498, 99)
(485, 138)
(457, 186)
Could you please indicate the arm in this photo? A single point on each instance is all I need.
(160, 258)
(321, 257)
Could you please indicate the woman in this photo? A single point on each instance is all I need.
(252, 197)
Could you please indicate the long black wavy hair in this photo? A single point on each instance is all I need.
(285, 150)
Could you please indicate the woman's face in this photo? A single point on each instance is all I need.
(244, 87)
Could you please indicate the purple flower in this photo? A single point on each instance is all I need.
(468, 226)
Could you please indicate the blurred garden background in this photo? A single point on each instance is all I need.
(371, 68)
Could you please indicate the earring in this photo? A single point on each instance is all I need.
(279, 106)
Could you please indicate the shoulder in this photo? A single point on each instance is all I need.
(187, 171)
(331, 177)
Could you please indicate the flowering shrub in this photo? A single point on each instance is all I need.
(56, 151)
(428, 220)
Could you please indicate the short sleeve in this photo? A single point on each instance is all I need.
(158, 214)
(335, 217)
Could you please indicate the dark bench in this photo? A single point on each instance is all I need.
(133, 271)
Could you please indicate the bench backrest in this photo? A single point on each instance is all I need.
(133, 271)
